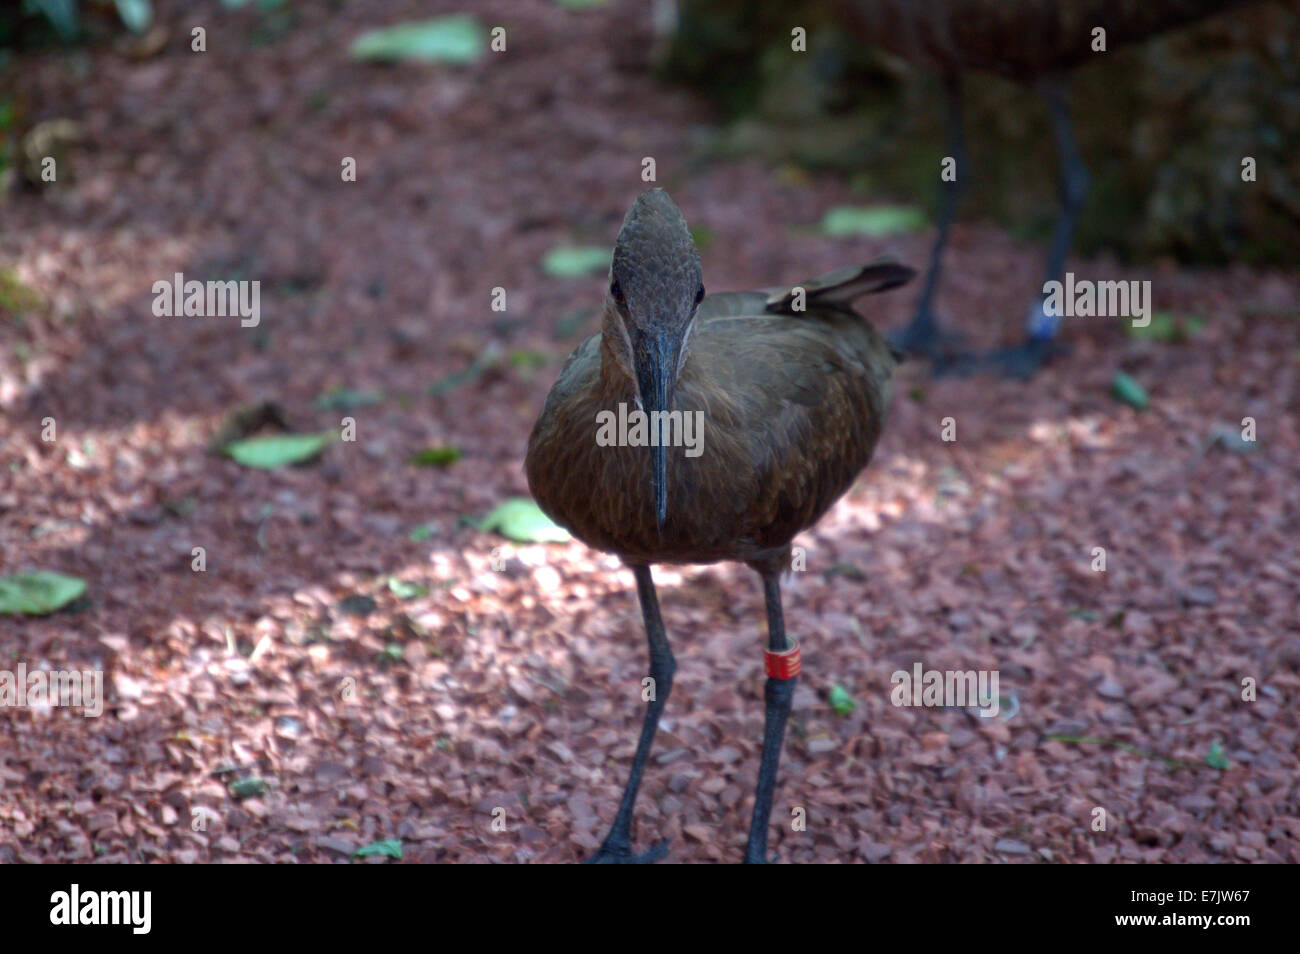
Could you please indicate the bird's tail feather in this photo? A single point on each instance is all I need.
(842, 286)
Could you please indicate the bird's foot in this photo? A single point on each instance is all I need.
(620, 853)
(1023, 360)
(923, 338)
(945, 350)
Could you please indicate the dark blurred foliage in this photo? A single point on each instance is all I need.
(1163, 126)
(35, 23)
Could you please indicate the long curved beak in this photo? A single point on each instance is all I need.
(655, 354)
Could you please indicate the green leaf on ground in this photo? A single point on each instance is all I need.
(357, 604)
(1160, 328)
(453, 39)
(574, 261)
(1228, 436)
(405, 591)
(841, 701)
(247, 787)
(420, 533)
(278, 450)
(521, 520)
(135, 14)
(525, 359)
(1126, 389)
(703, 236)
(62, 15)
(38, 593)
(874, 221)
(1167, 327)
(392, 848)
(16, 296)
(1215, 758)
(435, 457)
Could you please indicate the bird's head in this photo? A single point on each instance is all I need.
(655, 285)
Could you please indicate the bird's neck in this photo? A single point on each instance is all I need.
(616, 376)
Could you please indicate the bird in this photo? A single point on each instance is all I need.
(1035, 43)
(786, 389)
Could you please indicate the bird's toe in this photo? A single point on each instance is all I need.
(621, 854)
(925, 339)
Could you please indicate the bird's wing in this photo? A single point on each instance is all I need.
(793, 406)
(835, 289)
(840, 287)
(795, 398)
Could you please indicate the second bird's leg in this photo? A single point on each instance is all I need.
(923, 335)
(1041, 327)
(777, 695)
(617, 847)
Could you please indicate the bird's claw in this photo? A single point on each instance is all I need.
(621, 854)
(925, 339)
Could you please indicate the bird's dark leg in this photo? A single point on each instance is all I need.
(1074, 190)
(617, 847)
(1041, 327)
(777, 695)
(922, 335)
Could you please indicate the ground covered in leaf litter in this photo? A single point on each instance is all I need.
(351, 669)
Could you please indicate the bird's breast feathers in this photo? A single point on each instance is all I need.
(772, 420)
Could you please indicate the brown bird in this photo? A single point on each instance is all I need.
(760, 408)
(1034, 42)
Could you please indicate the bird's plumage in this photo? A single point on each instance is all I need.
(1020, 39)
(786, 389)
(1030, 41)
(792, 402)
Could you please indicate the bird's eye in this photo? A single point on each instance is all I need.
(616, 293)
(699, 295)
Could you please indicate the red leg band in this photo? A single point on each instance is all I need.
(785, 664)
